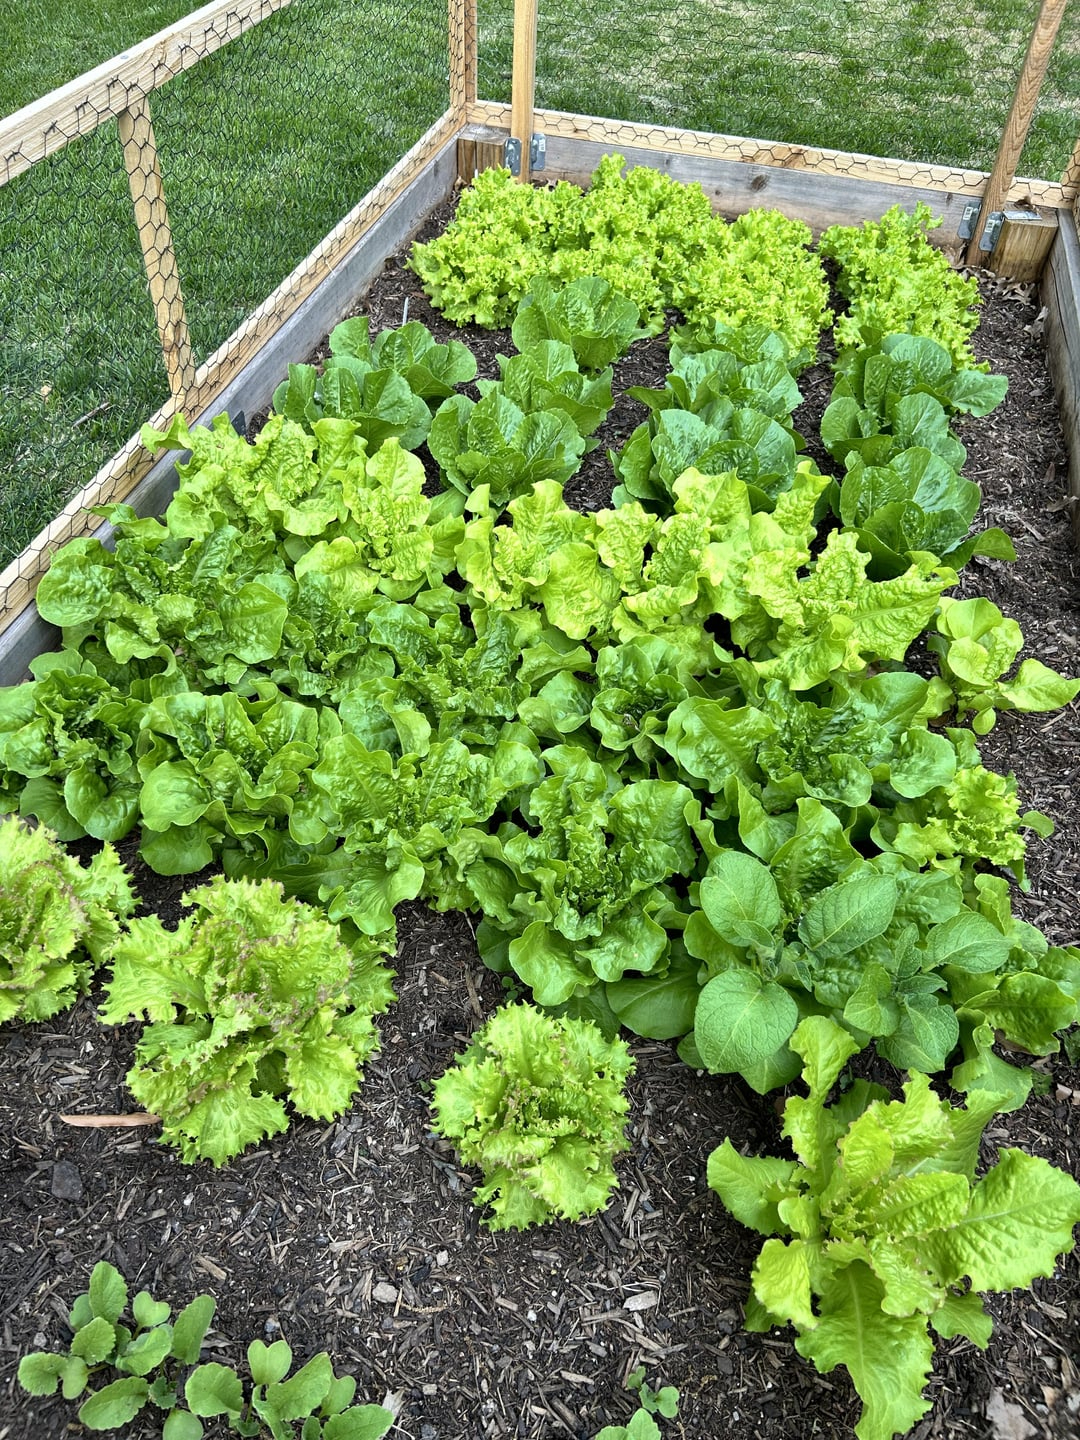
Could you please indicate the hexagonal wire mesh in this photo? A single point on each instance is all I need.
(264, 145)
(917, 80)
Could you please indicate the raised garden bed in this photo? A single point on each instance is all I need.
(359, 1237)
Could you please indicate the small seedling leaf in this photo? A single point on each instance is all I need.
(268, 1363)
(182, 1425)
(361, 1422)
(190, 1329)
(304, 1393)
(148, 1311)
(74, 1378)
(96, 1341)
(214, 1389)
(108, 1292)
(147, 1351)
(115, 1405)
(39, 1373)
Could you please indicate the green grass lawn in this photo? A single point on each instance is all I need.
(914, 79)
(269, 142)
(264, 147)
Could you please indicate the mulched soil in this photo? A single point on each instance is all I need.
(360, 1237)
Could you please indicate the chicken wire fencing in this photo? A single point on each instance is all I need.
(914, 80)
(260, 142)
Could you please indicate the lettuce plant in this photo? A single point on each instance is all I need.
(545, 376)
(896, 282)
(493, 443)
(58, 920)
(537, 1102)
(915, 502)
(251, 1000)
(574, 899)
(757, 270)
(590, 316)
(976, 645)
(881, 1230)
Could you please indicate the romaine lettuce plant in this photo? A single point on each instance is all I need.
(882, 1230)
(253, 999)
(58, 920)
(537, 1102)
(587, 314)
(493, 443)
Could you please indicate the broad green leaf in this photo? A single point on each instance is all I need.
(740, 1020)
(96, 1341)
(969, 942)
(888, 1358)
(146, 1351)
(303, 1392)
(182, 1425)
(359, 1422)
(115, 1404)
(40, 1372)
(1020, 1219)
(847, 915)
(740, 900)
(781, 1281)
(750, 1186)
(963, 1315)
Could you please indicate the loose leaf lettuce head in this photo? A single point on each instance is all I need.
(252, 1000)
(537, 1102)
(58, 920)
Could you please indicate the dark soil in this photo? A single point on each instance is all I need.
(360, 1237)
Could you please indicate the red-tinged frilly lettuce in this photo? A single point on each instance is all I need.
(883, 1229)
(58, 920)
(537, 1102)
(253, 1000)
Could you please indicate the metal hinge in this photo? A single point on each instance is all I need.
(537, 154)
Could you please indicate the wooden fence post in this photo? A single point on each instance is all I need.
(1018, 123)
(462, 18)
(523, 94)
(155, 237)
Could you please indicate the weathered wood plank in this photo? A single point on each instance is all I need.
(621, 134)
(46, 125)
(733, 187)
(1018, 122)
(243, 373)
(155, 238)
(1060, 291)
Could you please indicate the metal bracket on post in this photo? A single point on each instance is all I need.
(992, 231)
(966, 228)
(537, 153)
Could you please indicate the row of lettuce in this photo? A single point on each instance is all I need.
(667, 752)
